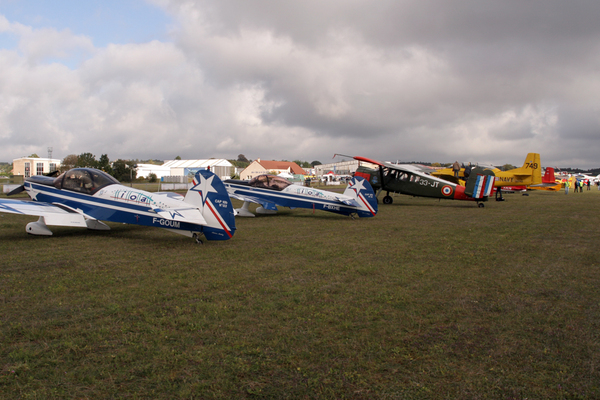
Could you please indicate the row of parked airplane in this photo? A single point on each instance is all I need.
(85, 197)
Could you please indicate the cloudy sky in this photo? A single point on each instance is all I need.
(422, 80)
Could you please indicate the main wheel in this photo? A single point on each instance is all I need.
(388, 200)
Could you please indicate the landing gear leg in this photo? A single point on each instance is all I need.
(196, 237)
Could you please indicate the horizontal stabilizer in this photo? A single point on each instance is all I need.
(187, 214)
(349, 202)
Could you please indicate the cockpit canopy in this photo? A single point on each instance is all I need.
(84, 180)
(269, 182)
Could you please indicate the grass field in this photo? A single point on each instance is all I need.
(428, 300)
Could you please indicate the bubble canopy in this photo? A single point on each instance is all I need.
(269, 182)
(84, 180)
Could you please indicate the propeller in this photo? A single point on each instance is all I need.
(17, 190)
(22, 187)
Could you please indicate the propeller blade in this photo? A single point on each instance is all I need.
(16, 190)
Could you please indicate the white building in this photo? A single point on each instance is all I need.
(219, 166)
(146, 169)
(29, 166)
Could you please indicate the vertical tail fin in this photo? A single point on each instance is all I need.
(209, 194)
(480, 183)
(549, 176)
(533, 166)
(360, 189)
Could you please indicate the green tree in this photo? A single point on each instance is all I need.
(5, 169)
(303, 164)
(86, 160)
(34, 156)
(104, 164)
(152, 177)
(178, 158)
(124, 170)
(506, 167)
(69, 162)
(315, 163)
(242, 158)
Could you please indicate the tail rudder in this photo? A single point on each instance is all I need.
(361, 190)
(549, 176)
(532, 166)
(209, 194)
(480, 183)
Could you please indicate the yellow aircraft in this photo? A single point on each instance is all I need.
(528, 175)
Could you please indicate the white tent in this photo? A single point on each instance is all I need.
(286, 175)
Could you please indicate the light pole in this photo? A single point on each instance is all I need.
(131, 175)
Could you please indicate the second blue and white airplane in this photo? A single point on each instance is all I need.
(83, 197)
(271, 191)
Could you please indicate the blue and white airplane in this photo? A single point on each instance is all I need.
(83, 197)
(271, 191)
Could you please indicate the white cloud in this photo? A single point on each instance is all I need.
(392, 80)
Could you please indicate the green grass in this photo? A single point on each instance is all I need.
(430, 299)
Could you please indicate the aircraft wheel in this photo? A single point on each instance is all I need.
(388, 200)
(197, 238)
(480, 205)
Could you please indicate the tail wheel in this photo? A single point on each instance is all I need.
(196, 237)
(388, 200)
(480, 205)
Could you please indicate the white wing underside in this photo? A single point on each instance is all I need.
(53, 215)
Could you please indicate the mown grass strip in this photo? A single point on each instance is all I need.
(430, 299)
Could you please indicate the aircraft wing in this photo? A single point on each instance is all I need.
(411, 168)
(267, 205)
(53, 215)
(544, 185)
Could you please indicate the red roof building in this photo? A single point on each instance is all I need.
(259, 167)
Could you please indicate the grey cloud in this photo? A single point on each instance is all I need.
(430, 80)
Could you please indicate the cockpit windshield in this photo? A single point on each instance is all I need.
(269, 182)
(84, 180)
